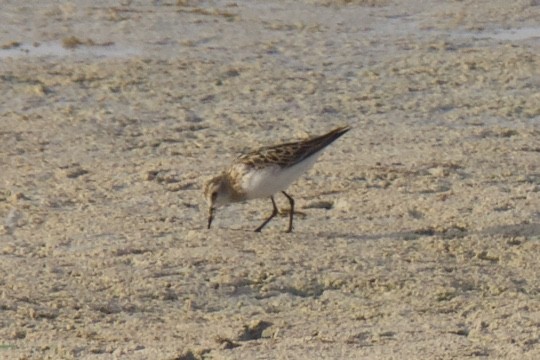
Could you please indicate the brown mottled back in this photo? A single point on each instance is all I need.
(289, 154)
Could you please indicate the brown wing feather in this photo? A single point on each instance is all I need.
(289, 154)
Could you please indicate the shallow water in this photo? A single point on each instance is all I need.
(56, 49)
(520, 34)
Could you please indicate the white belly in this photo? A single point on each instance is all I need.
(266, 182)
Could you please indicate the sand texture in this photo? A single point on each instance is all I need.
(417, 234)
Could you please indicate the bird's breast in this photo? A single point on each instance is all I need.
(266, 181)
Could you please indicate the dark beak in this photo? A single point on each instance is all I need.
(210, 216)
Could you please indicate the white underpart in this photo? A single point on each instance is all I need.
(268, 181)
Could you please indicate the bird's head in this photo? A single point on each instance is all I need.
(216, 194)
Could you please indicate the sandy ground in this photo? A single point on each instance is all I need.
(418, 233)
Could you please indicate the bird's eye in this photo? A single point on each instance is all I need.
(214, 195)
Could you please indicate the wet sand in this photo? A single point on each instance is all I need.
(417, 233)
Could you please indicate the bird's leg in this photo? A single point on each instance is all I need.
(210, 216)
(291, 213)
(274, 213)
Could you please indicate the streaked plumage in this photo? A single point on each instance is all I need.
(266, 171)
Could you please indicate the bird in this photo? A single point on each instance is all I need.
(263, 172)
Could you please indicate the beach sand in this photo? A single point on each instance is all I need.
(417, 234)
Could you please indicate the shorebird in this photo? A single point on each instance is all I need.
(266, 171)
